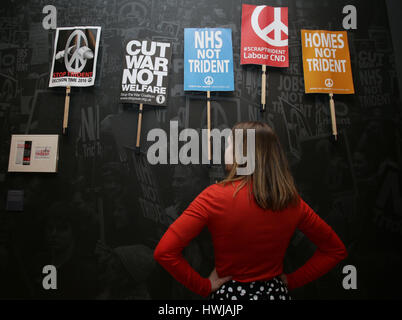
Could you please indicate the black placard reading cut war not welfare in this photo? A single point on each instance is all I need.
(145, 77)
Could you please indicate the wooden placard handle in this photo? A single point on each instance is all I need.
(66, 109)
(263, 86)
(209, 123)
(333, 117)
(139, 126)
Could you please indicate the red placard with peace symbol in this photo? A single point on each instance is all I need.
(264, 36)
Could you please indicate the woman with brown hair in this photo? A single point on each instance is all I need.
(251, 219)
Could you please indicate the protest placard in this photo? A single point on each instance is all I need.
(264, 39)
(74, 60)
(145, 76)
(208, 64)
(326, 65)
(208, 59)
(326, 62)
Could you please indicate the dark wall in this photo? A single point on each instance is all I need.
(395, 24)
(99, 218)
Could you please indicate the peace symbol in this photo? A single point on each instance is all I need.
(75, 62)
(160, 99)
(208, 80)
(329, 83)
(278, 26)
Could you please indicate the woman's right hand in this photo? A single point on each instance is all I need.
(284, 278)
(217, 282)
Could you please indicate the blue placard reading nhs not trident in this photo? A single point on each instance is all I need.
(208, 59)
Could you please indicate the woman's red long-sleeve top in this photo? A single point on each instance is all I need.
(249, 242)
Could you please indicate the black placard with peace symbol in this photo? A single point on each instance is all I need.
(74, 58)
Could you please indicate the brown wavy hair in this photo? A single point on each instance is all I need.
(272, 183)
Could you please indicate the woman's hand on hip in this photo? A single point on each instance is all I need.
(284, 279)
(217, 282)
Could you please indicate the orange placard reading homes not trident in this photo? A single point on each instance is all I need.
(326, 62)
(326, 65)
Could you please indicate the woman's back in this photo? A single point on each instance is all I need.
(250, 239)
(255, 239)
(249, 242)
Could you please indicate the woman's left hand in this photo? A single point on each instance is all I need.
(217, 282)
